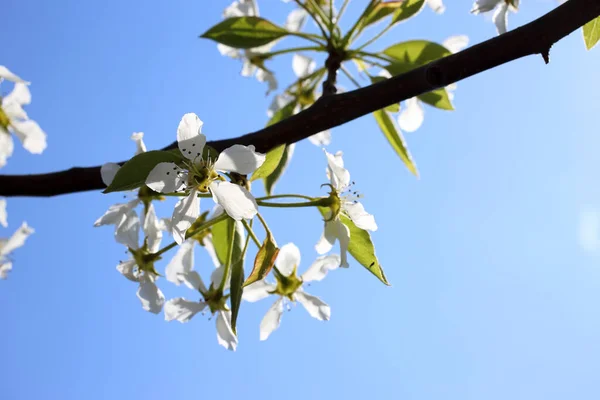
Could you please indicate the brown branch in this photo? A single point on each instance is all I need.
(536, 37)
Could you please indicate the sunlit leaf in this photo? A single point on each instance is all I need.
(438, 98)
(394, 136)
(271, 163)
(245, 32)
(413, 54)
(265, 259)
(272, 179)
(591, 33)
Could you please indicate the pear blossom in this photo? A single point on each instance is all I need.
(344, 202)
(289, 287)
(7, 246)
(140, 268)
(500, 7)
(3, 215)
(200, 175)
(181, 270)
(13, 119)
(436, 5)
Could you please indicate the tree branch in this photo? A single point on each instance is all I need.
(536, 37)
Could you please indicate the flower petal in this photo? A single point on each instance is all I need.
(189, 137)
(20, 95)
(271, 320)
(296, 20)
(152, 229)
(115, 213)
(257, 291)
(321, 139)
(412, 115)
(337, 174)
(236, 200)
(181, 266)
(207, 243)
(328, 238)
(358, 215)
(436, 5)
(5, 268)
(225, 335)
(108, 172)
(6, 146)
(17, 239)
(217, 276)
(343, 236)
(186, 211)
(303, 65)
(138, 138)
(315, 306)
(288, 259)
(31, 135)
(456, 43)
(150, 296)
(241, 159)
(166, 177)
(264, 75)
(500, 17)
(182, 310)
(229, 51)
(127, 231)
(320, 268)
(3, 215)
(128, 270)
(5, 73)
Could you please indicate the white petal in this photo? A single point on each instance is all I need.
(241, 159)
(288, 259)
(385, 73)
(263, 75)
(302, 65)
(108, 172)
(138, 138)
(248, 69)
(481, 6)
(17, 239)
(456, 43)
(279, 101)
(207, 243)
(127, 231)
(343, 236)
(186, 211)
(14, 110)
(115, 213)
(3, 215)
(436, 5)
(315, 306)
(321, 139)
(31, 135)
(5, 268)
(6, 146)
(296, 20)
(225, 335)
(271, 320)
(150, 296)
(189, 137)
(19, 95)
(412, 115)
(500, 17)
(217, 276)
(358, 215)
(182, 310)
(236, 200)
(257, 291)
(328, 238)
(152, 230)
(241, 8)
(338, 175)
(5, 73)
(228, 51)
(320, 268)
(166, 177)
(128, 270)
(181, 266)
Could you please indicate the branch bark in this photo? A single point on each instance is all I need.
(537, 37)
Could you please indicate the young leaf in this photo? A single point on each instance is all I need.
(272, 161)
(272, 179)
(409, 9)
(134, 172)
(237, 271)
(245, 32)
(264, 261)
(412, 54)
(221, 239)
(591, 33)
(394, 136)
(361, 247)
(438, 98)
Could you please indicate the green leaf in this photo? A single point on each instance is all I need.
(221, 238)
(438, 98)
(134, 172)
(591, 33)
(381, 11)
(264, 261)
(236, 282)
(394, 136)
(361, 247)
(272, 179)
(409, 9)
(413, 54)
(271, 163)
(245, 32)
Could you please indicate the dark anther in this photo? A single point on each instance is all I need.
(183, 150)
(193, 144)
(168, 172)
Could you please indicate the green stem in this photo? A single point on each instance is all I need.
(347, 73)
(342, 10)
(308, 36)
(251, 233)
(202, 227)
(347, 38)
(374, 38)
(313, 16)
(185, 195)
(314, 203)
(371, 62)
(293, 50)
(229, 258)
(373, 55)
(285, 196)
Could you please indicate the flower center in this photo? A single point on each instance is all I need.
(286, 285)
(215, 300)
(144, 259)
(4, 120)
(201, 176)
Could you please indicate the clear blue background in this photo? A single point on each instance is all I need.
(492, 297)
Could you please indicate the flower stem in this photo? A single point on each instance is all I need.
(251, 233)
(284, 196)
(313, 203)
(293, 50)
(374, 38)
(368, 54)
(348, 37)
(202, 227)
(308, 36)
(347, 73)
(314, 17)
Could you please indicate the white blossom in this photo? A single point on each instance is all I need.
(500, 7)
(3, 214)
(346, 204)
(200, 175)
(13, 119)
(7, 246)
(436, 5)
(289, 287)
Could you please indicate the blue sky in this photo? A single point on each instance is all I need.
(493, 295)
